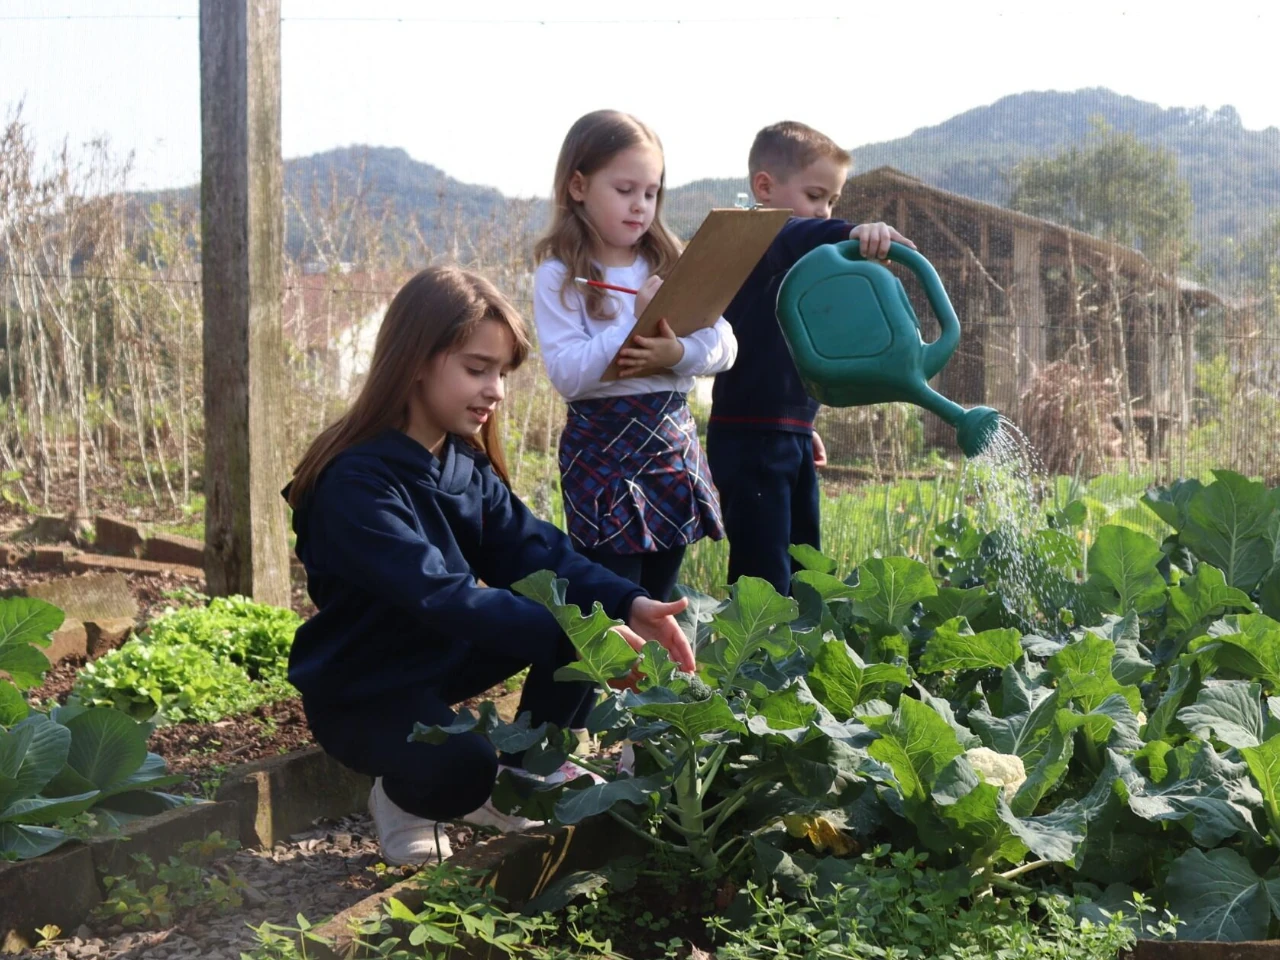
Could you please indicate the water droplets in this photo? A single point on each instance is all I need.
(1003, 487)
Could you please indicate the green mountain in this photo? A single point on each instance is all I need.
(1234, 173)
(1234, 176)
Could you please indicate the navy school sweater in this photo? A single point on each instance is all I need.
(393, 541)
(763, 390)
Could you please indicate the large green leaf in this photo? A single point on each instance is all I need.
(576, 805)
(978, 811)
(1025, 733)
(1184, 681)
(1202, 596)
(152, 775)
(784, 713)
(1170, 503)
(23, 842)
(1264, 766)
(695, 619)
(1055, 836)
(1230, 710)
(1214, 796)
(1131, 664)
(840, 680)
(916, 743)
(1114, 723)
(823, 766)
(1083, 669)
(756, 618)
(971, 809)
(25, 624)
(889, 587)
(952, 602)
(46, 810)
(30, 755)
(954, 646)
(618, 875)
(811, 558)
(1123, 573)
(943, 708)
(1051, 762)
(13, 705)
(512, 738)
(1244, 644)
(694, 720)
(602, 654)
(1217, 896)
(106, 746)
(1227, 526)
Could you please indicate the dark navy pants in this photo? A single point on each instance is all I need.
(656, 572)
(769, 495)
(445, 781)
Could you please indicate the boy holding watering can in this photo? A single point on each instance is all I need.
(761, 445)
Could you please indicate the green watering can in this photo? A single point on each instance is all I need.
(856, 340)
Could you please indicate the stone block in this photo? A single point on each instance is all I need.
(57, 888)
(51, 558)
(92, 598)
(281, 796)
(113, 535)
(1207, 950)
(170, 548)
(161, 836)
(104, 635)
(69, 640)
(95, 563)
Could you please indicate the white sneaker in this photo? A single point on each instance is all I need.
(492, 818)
(404, 838)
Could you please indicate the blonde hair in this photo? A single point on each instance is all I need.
(590, 144)
(785, 148)
(436, 311)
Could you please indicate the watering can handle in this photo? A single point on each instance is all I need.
(936, 354)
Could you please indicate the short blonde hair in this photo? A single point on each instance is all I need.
(785, 148)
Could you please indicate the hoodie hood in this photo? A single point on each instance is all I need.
(452, 472)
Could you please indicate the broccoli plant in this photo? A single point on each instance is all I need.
(803, 720)
(739, 744)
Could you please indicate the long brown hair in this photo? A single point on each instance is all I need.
(435, 311)
(591, 143)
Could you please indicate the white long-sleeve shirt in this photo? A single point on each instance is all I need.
(576, 349)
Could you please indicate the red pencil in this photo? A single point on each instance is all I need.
(604, 286)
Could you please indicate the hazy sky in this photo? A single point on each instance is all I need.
(489, 98)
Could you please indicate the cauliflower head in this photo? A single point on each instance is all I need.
(1005, 770)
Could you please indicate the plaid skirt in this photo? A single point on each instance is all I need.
(634, 478)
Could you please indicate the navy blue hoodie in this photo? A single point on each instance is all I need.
(763, 390)
(393, 541)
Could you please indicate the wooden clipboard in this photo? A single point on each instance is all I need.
(708, 274)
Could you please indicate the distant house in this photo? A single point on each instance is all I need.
(1029, 292)
(333, 318)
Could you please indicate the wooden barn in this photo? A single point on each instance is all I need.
(1030, 294)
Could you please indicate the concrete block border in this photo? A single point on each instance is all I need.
(259, 804)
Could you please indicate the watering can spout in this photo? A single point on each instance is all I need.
(975, 428)
(856, 340)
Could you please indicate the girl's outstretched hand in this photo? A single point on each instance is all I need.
(651, 620)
